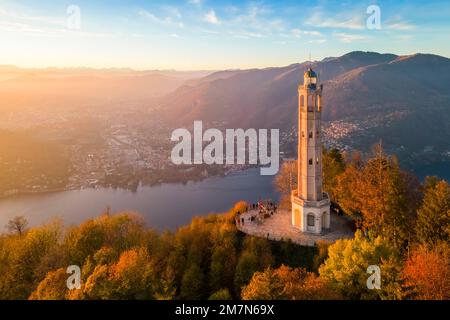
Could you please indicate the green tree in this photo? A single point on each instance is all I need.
(247, 265)
(346, 266)
(193, 284)
(333, 166)
(433, 217)
(223, 294)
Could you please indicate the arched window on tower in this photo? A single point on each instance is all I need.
(310, 162)
(310, 103)
(310, 134)
(311, 220)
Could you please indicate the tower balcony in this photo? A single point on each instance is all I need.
(309, 203)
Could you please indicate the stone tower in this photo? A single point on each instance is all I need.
(310, 205)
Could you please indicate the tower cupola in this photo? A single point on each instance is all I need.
(310, 79)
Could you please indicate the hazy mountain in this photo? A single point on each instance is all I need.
(59, 87)
(406, 98)
(265, 97)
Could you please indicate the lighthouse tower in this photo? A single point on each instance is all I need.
(310, 205)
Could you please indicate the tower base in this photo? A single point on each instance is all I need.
(311, 216)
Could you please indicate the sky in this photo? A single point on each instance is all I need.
(213, 35)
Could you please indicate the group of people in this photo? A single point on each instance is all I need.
(265, 209)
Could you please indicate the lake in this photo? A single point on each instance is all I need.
(165, 206)
(441, 170)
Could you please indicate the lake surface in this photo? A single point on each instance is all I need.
(441, 170)
(165, 206)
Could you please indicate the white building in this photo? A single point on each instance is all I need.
(310, 205)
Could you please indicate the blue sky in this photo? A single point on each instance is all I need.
(206, 34)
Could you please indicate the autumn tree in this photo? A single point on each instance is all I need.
(53, 287)
(427, 273)
(286, 283)
(433, 217)
(333, 165)
(18, 277)
(380, 193)
(346, 266)
(131, 277)
(120, 232)
(286, 181)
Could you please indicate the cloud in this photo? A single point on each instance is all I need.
(211, 17)
(348, 38)
(313, 33)
(404, 37)
(195, 2)
(12, 15)
(400, 25)
(167, 21)
(317, 41)
(42, 31)
(296, 33)
(208, 31)
(318, 20)
(41, 26)
(173, 11)
(243, 34)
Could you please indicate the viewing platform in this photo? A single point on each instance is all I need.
(278, 226)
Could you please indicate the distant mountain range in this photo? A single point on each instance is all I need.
(404, 100)
(52, 86)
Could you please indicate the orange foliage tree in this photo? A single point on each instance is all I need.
(427, 273)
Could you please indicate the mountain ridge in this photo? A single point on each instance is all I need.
(357, 86)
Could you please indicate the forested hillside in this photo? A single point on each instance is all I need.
(403, 227)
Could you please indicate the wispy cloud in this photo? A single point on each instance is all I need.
(243, 34)
(296, 33)
(313, 33)
(400, 25)
(195, 2)
(211, 17)
(318, 41)
(42, 26)
(348, 38)
(340, 21)
(13, 15)
(174, 20)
